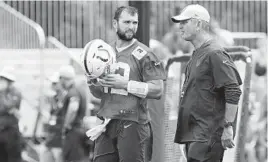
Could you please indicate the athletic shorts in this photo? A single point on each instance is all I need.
(124, 141)
(204, 151)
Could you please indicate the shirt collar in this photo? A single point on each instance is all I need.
(123, 48)
(205, 44)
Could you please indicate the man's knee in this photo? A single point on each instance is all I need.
(45, 154)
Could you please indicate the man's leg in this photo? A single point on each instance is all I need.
(57, 154)
(3, 151)
(134, 142)
(45, 154)
(73, 146)
(14, 144)
(105, 149)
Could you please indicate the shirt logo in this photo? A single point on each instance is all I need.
(126, 126)
(227, 62)
(139, 53)
(157, 63)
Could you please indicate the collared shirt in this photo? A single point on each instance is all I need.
(202, 103)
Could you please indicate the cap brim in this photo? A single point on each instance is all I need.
(53, 80)
(179, 18)
(8, 77)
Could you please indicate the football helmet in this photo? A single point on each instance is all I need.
(96, 58)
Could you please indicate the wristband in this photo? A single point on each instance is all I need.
(139, 89)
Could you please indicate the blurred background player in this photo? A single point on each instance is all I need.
(256, 141)
(223, 36)
(74, 108)
(53, 144)
(10, 99)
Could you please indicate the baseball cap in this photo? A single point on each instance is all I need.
(67, 71)
(55, 78)
(192, 11)
(8, 73)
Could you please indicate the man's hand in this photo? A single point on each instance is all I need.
(114, 81)
(227, 138)
(94, 82)
(96, 131)
(14, 112)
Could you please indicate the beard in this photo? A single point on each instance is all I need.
(124, 36)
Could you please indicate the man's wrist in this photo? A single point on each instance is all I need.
(139, 89)
(126, 85)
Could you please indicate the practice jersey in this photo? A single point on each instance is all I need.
(137, 63)
(75, 95)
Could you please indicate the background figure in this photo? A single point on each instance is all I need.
(52, 149)
(223, 37)
(10, 99)
(256, 145)
(160, 50)
(174, 42)
(74, 140)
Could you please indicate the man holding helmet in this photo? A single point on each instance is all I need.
(124, 88)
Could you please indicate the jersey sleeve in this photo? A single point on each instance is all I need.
(223, 69)
(152, 68)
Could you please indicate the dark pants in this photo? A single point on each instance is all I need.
(53, 135)
(204, 151)
(74, 146)
(124, 141)
(10, 144)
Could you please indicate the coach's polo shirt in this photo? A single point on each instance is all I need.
(202, 103)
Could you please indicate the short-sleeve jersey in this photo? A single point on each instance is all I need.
(75, 95)
(137, 63)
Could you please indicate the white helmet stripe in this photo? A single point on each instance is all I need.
(96, 56)
(85, 59)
